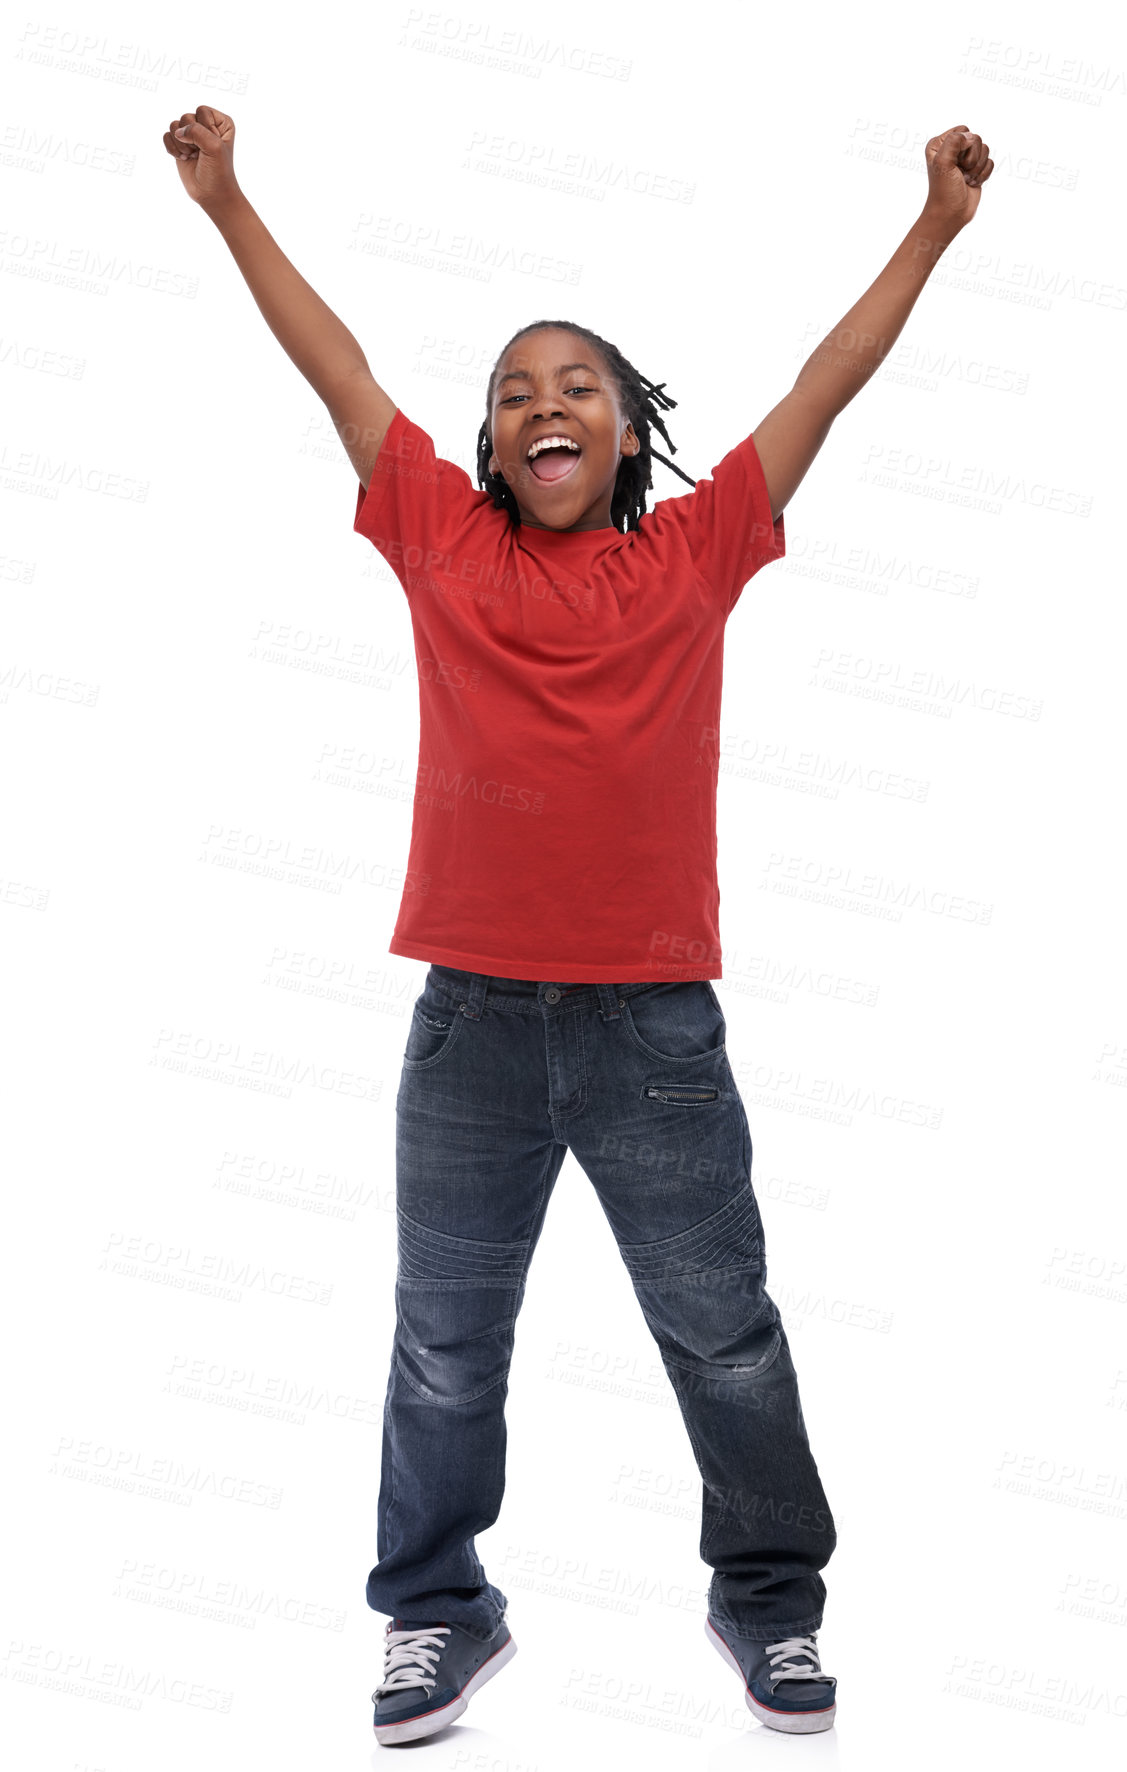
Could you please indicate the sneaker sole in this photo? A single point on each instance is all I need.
(413, 1728)
(791, 1722)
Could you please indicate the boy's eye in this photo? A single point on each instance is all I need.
(575, 390)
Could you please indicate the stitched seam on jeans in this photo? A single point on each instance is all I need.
(734, 1209)
(706, 1492)
(448, 1402)
(803, 1628)
(530, 1241)
(423, 1247)
(388, 1438)
(411, 1267)
(486, 1334)
(725, 1373)
(722, 1231)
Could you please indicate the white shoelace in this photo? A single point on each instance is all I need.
(410, 1657)
(782, 1657)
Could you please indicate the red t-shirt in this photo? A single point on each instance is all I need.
(564, 822)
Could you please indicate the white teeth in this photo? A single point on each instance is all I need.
(550, 443)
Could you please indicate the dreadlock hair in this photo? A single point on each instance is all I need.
(640, 400)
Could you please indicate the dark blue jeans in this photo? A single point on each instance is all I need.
(501, 1077)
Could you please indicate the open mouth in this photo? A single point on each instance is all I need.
(550, 466)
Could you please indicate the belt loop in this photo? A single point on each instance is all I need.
(475, 996)
(610, 1001)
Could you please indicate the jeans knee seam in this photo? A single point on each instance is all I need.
(725, 1373)
(448, 1402)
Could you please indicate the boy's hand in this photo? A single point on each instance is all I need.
(958, 165)
(203, 145)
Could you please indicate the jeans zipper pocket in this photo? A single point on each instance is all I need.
(674, 1092)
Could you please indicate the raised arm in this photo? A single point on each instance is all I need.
(788, 439)
(322, 348)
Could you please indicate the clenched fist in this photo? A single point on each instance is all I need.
(203, 145)
(958, 165)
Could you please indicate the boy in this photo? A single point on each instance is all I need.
(599, 652)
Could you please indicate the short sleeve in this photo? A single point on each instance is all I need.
(726, 523)
(415, 504)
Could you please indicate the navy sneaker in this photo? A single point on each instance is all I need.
(430, 1675)
(784, 1685)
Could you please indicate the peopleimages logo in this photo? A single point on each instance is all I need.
(434, 782)
(435, 248)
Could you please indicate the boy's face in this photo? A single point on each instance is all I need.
(552, 382)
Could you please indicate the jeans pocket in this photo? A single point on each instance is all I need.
(434, 1030)
(676, 1022)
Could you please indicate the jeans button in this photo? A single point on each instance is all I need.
(552, 995)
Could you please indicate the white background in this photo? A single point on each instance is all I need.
(928, 1027)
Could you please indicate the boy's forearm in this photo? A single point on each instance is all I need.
(308, 331)
(848, 356)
